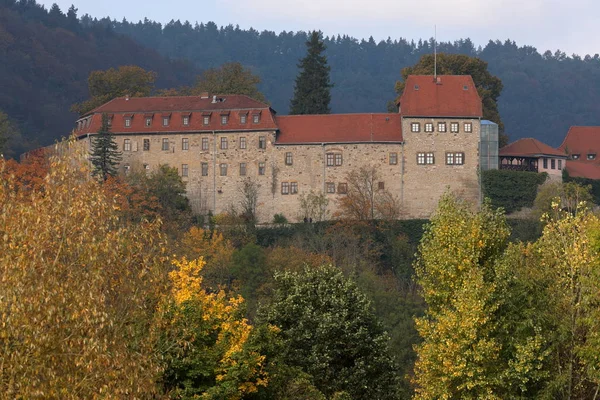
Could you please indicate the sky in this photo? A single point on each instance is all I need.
(571, 26)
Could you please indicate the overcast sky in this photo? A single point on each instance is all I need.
(569, 25)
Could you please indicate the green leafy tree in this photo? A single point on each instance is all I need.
(312, 91)
(480, 338)
(229, 78)
(488, 86)
(166, 186)
(331, 333)
(105, 155)
(106, 85)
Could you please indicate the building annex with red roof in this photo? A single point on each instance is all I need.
(529, 154)
(219, 142)
(582, 146)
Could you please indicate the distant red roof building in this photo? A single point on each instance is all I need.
(339, 128)
(530, 147)
(582, 169)
(444, 96)
(582, 144)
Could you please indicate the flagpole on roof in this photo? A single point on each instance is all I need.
(435, 53)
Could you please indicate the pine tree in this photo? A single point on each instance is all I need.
(311, 94)
(105, 153)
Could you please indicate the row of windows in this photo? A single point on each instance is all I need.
(451, 158)
(289, 187)
(185, 144)
(441, 127)
(166, 120)
(552, 163)
(590, 156)
(224, 168)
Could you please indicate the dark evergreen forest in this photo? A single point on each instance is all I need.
(46, 56)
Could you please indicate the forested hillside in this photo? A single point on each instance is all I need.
(47, 55)
(45, 60)
(544, 92)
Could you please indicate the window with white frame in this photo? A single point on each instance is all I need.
(285, 188)
(425, 158)
(243, 169)
(148, 121)
(330, 187)
(185, 144)
(146, 145)
(455, 158)
(223, 143)
(393, 158)
(288, 158)
(224, 119)
(127, 122)
(338, 159)
(204, 143)
(441, 127)
(166, 121)
(243, 118)
(468, 127)
(454, 127)
(127, 145)
(256, 118)
(206, 120)
(293, 187)
(261, 168)
(204, 169)
(186, 120)
(429, 127)
(184, 170)
(262, 142)
(242, 142)
(165, 144)
(415, 127)
(223, 168)
(429, 158)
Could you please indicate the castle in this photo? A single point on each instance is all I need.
(218, 143)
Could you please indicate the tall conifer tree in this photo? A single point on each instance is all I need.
(105, 153)
(311, 94)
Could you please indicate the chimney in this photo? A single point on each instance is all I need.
(438, 80)
(204, 95)
(214, 100)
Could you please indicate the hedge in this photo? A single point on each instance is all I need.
(511, 190)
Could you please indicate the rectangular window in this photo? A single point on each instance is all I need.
(393, 158)
(186, 120)
(166, 121)
(285, 188)
(293, 187)
(421, 158)
(243, 118)
(204, 143)
(342, 188)
(165, 144)
(428, 127)
(256, 118)
(262, 142)
(553, 164)
(127, 122)
(223, 143)
(415, 127)
(559, 164)
(449, 158)
(441, 127)
(429, 159)
(127, 145)
(288, 158)
(223, 168)
(148, 121)
(329, 157)
(243, 169)
(184, 170)
(338, 159)
(454, 127)
(224, 119)
(261, 168)
(185, 144)
(468, 127)
(330, 187)
(204, 169)
(109, 123)
(545, 163)
(146, 144)
(205, 120)
(381, 185)
(242, 143)
(459, 158)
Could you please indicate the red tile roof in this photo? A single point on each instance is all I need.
(450, 96)
(194, 107)
(530, 147)
(339, 128)
(582, 140)
(582, 169)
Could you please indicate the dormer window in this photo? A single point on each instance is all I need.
(127, 122)
(416, 87)
(110, 118)
(465, 87)
(575, 156)
(591, 156)
(256, 117)
(148, 121)
(206, 120)
(166, 119)
(185, 119)
(224, 119)
(243, 117)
